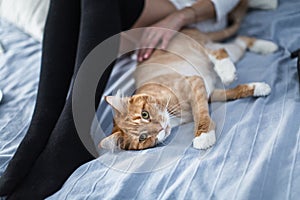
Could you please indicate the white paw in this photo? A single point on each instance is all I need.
(260, 89)
(263, 47)
(205, 140)
(226, 70)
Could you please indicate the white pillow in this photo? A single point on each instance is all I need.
(29, 15)
(263, 4)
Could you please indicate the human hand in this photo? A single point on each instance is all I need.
(160, 33)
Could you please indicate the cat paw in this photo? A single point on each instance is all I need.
(226, 70)
(205, 140)
(263, 47)
(260, 89)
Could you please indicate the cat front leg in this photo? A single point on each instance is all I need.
(204, 126)
(256, 89)
(205, 135)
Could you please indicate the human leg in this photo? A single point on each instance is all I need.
(64, 151)
(58, 59)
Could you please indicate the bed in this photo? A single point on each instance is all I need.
(257, 153)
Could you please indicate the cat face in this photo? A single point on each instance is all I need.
(140, 122)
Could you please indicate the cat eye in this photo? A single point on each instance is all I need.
(145, 115)
(143, 137)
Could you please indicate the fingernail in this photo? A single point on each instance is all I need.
(146, 56)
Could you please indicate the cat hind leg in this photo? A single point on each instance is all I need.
(258, 45)
(260, 89)
(223, 65)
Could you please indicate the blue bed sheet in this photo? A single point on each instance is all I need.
(257, 154)
(19, 75)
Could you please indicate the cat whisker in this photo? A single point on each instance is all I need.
(177, 105)
(174, 108)
(167, 105)
(172, 117)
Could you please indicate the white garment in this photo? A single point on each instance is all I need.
(222, 7)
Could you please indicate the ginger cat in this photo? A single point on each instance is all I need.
(179, 83)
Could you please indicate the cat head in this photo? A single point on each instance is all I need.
(140, 122)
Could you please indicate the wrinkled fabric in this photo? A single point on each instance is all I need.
(19, 75)
(257, 153)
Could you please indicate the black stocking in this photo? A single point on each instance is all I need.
(51, 149)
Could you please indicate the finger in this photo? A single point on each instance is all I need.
(152, 43)
(151, 47)
(164, 43)
(141, 54)
(166, 40)
(142, 51)
(146, 52)
(145, 42)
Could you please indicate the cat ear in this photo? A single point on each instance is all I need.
(109, 142)
(118, 103)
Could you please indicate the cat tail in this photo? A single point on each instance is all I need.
(224, 34)
(235, 18)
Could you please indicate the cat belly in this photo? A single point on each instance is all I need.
(203, 70)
